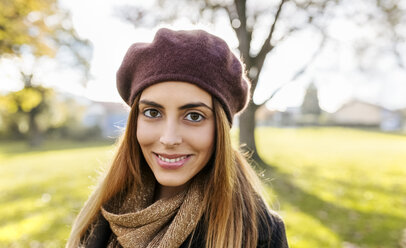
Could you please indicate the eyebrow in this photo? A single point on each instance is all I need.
(150, 103)
(186, 106)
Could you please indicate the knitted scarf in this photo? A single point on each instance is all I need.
(139, 222)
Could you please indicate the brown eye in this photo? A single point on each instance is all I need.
(194, 117)
(152, 113)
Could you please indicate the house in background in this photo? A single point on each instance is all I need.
(110, 117)
(308, 114)
(402, 113)
(288, 118)
(264, 116)
(362, 114)
(355, 113)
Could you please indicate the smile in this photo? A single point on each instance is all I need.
(171, 161)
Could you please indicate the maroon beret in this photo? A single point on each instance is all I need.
(195, 57)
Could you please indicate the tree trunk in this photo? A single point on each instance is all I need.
(247, 133)
(35, 137)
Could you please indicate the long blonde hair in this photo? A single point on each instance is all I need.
(232, 197)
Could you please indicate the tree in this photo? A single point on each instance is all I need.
(270, 24)
(310, 109)
(26, 113)
(31, 30)
(41, 28)
(311, 101)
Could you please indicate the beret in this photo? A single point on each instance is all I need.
(192, 56)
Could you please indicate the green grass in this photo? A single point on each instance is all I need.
(337, 186)
(333, 187)
(42, 190)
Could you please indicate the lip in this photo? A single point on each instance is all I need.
(172, 165)
(171, 156)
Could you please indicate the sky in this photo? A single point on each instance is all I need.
(334, 72)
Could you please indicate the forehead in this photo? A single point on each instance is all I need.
(174, 91)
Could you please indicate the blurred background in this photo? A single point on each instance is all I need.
(325, 127)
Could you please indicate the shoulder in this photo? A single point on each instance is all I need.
(271, 229)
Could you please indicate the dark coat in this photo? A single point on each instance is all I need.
(271, 234)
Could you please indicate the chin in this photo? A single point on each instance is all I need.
(171, 182)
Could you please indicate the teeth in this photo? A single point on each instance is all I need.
(173, 160)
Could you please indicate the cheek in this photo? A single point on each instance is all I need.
(145, 134)
(203, 139)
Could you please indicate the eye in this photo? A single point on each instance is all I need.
(194, 117)
(152, 113)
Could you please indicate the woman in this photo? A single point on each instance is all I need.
(175, 180)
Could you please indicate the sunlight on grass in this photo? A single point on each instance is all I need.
(309, 231)
(43, 190)
(351, 181)
(33, 223)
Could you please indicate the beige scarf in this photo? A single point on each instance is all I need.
(138, 222)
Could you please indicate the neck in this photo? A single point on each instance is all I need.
(163, 192)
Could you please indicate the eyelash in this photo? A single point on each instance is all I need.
(201, 117)
(147, 113)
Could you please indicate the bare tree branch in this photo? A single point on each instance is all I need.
(243, 35)
(286, 35)
(398, 57)
(231, 15)
(213, 6)
(258, 74)
(299, 72)
(267, 46)
(138, 16)
(133, 15)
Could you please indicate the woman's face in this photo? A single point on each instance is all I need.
(175, 130)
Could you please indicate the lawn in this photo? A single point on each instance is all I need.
(334, 187)
(337, 187)
(41, 191)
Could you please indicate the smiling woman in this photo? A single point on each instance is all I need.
(176, 181)
(176, 134)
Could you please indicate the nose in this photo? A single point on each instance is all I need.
(170, 135)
